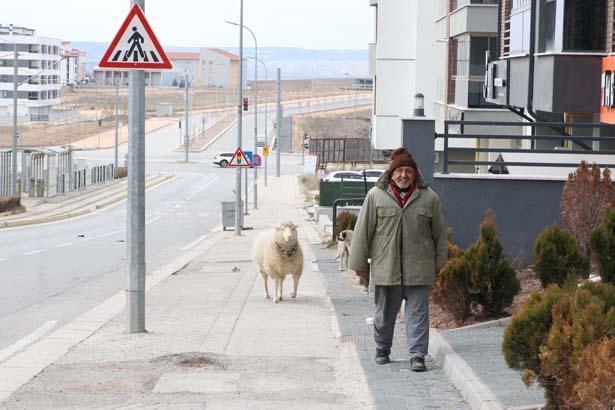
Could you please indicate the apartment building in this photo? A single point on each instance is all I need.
(435, 48)
(220, 69)
(73, 66)
(554, 62)
(38, 74)
(184, 63)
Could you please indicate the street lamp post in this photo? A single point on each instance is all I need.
(255, 110)
(354, 117)
(266, 114)
(238, 216)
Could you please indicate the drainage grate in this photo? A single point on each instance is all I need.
(356, 338)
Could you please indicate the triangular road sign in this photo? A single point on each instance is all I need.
(239, 159)
(135, 46)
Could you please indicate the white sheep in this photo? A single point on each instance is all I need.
(277, 253)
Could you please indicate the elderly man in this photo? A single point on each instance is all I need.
(401, 228)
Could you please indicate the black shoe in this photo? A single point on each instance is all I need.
(417, 364)
(382, 356)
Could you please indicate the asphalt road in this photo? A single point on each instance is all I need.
(52, 273)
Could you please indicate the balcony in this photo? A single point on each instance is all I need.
(563, 82)
(474, 18)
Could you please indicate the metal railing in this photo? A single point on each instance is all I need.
(579, 139)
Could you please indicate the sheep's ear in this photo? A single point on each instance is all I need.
(294, 226)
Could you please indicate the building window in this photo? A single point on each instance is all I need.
(584, 25)
(520, 18)
(546, 25)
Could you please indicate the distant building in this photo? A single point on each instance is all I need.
(73, 67)
(220, 68)
(183, 63)
(104, 77)
(38, 74)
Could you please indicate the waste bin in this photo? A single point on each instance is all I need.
(228, 214)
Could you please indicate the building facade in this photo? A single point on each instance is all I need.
(435, 48)
(220, 69)
(104, 77)
(38, 74)
(73, 66)
(184, 63)
(554, 63)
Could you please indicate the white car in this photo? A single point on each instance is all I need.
(337, 176)
(372, 175)
(223, 158)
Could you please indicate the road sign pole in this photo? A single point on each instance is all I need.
(117, 123)
(238, 216)
(278, 121)
(246, 195)
(135, 294)
(186, 118)
(14, 153)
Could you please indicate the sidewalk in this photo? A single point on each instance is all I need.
(75, 203)
(212, 341)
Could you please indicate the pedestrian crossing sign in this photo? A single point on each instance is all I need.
(135, 46)
(239, 159)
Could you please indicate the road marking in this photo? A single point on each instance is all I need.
(152, 220)
(192, 195)
(34, 252)
(27, 340)
(63, 245)
(110, 233)
(194, 243)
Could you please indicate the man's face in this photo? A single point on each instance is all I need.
(404, 176)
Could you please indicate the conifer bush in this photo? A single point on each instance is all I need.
(595, 370)
(602, 241)
(557, 257)
(528, 330)
(451, 288)
(563, 338)
(494, 283)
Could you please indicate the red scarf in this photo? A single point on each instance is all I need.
(402, 197)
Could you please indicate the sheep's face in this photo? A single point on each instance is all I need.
(287, 232)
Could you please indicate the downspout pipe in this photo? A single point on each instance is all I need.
(532, 51)
(499, 32)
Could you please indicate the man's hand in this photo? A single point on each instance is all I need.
(360, 273)
(438, 269)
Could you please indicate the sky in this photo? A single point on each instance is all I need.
(313, 24)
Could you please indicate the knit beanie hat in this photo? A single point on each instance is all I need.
(401, 158)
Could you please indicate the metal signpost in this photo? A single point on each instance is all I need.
(135, 48)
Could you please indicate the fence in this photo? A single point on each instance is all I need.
(5, 172)
(531, 151)
(343, 150)
(46, 173)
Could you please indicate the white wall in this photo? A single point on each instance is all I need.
(405, 65)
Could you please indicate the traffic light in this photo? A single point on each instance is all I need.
(245, 103)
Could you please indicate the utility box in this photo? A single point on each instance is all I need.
(164, 110)
(228, 214)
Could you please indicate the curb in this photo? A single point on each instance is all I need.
(125, 142)
(491, 323)
(214, 139)
(73, 214)
(217, 137)
(471, 388)
(24, 366)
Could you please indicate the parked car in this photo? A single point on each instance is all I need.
(372, 175)
(223, 158)
(337, 176)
